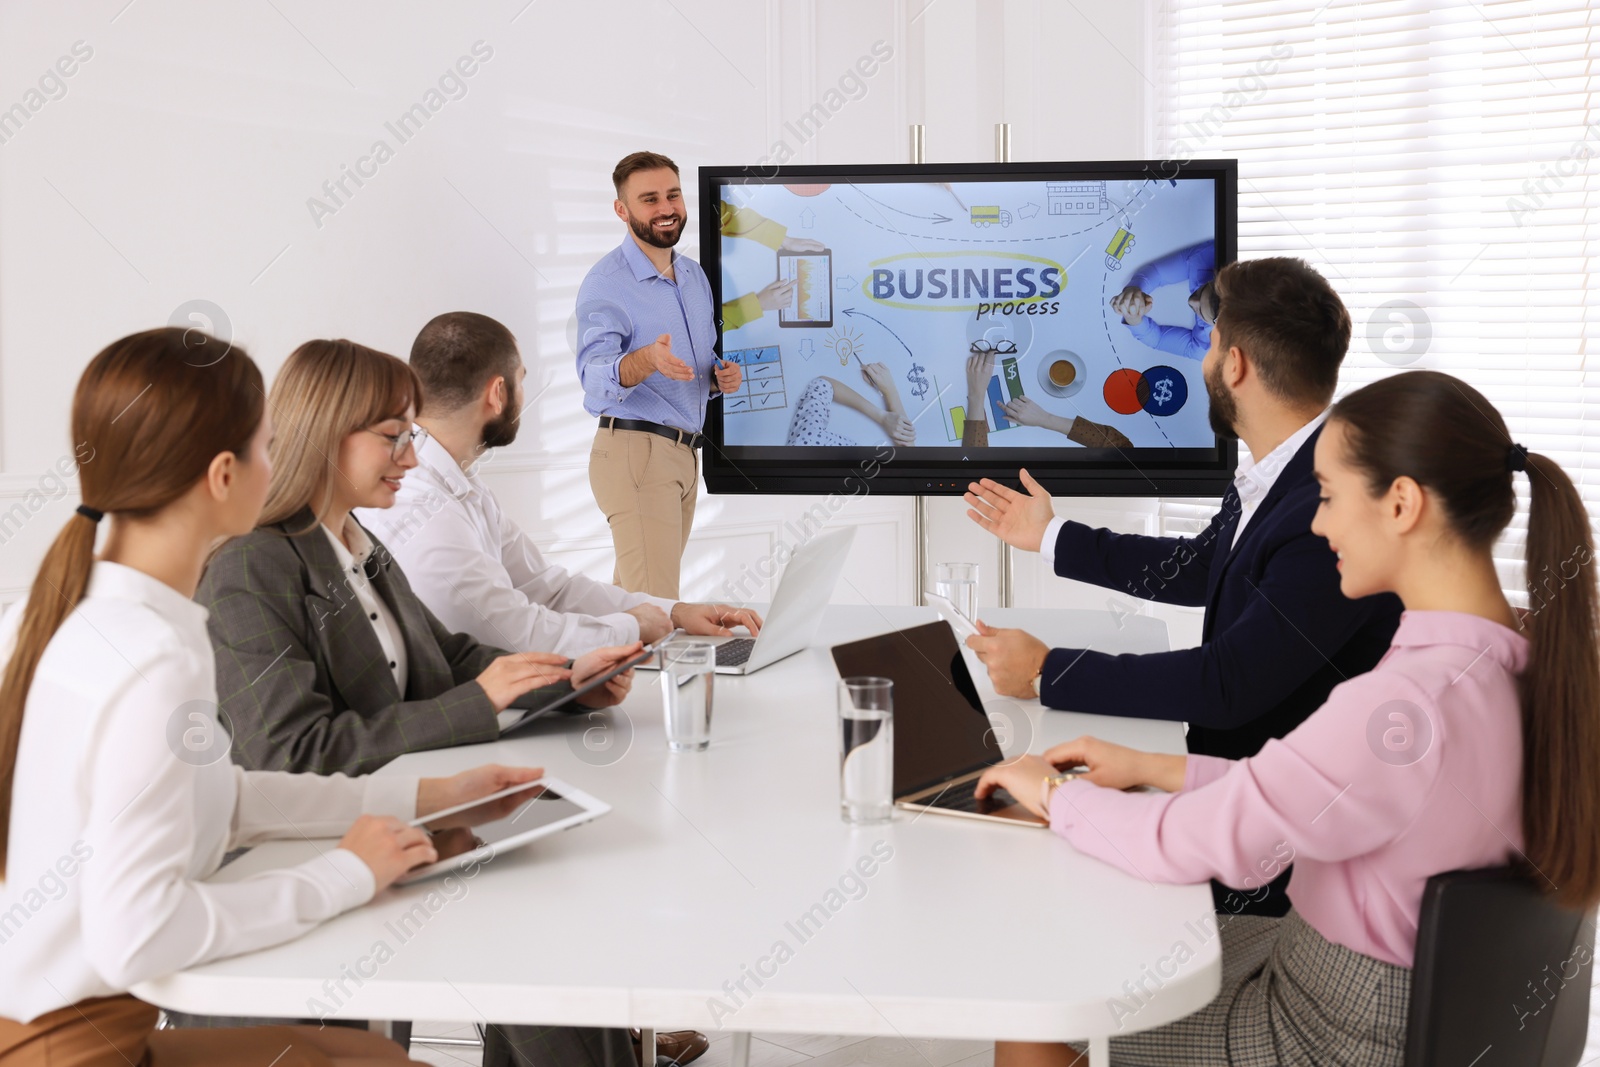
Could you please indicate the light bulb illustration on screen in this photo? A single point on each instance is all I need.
(846, 344)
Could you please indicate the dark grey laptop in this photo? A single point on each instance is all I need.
(942, 736)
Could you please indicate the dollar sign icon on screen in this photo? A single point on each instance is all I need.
(919, 384)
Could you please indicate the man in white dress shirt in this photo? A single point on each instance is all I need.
(474, 567)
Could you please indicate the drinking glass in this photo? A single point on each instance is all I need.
(958, 582)
(687, 674)
(866, 750)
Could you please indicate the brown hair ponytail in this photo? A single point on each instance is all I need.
(1561, 689)
(1446, 436)
(150, 413)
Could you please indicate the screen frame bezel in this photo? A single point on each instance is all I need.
(1152, 472)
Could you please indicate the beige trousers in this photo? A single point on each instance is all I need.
(646, 485)
(120, 1032)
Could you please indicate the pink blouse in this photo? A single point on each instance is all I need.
(1407, 771)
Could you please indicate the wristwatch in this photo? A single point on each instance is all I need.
(1049, 784)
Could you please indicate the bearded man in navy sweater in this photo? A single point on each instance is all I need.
(1277, 635)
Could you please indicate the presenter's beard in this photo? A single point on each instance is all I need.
(647, 232)
(1223, 410)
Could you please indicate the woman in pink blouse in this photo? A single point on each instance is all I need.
(1467, 746)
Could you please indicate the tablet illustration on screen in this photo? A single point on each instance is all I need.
(812, 274)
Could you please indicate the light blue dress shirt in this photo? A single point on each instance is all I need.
(624, 304)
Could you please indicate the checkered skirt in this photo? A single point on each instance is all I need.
(1289, 997)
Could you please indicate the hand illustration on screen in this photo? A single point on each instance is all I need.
(1133, 304)
(1096, 434)
(902, 433)
(900, 430)
(813, 414)
(1193, 267)
(1026, 412)
(975, 425)
(778, 294)
(737, 222)
(877, 375)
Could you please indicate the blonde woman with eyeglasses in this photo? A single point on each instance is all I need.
(326, 659)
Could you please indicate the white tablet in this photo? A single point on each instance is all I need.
(474, 833)
(950, 613)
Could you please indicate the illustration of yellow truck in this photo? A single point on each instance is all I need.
(991, 215)
(1121, 242)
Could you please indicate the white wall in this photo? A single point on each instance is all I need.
(178, 164)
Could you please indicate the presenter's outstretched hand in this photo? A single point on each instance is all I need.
(509, 677)
(388, 847)
(1018, 519)
(665, 363)
(714, 620)
(1014, 658)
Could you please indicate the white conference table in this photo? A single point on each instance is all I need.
(656, 914)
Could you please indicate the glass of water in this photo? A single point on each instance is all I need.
(958, 582)
(866, 750)
(687, 671)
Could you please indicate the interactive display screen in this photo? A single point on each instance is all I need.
(964, 319)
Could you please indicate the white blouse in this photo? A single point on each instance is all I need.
(384, 624)
(125, 800)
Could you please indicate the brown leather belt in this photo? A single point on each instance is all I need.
(682, 437)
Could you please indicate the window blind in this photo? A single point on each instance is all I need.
(1437, 163)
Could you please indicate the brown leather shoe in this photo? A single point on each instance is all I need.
(678, 1046)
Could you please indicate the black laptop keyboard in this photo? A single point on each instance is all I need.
(734, 653)
(959, 797)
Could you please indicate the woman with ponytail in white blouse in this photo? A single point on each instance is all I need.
(117, 797)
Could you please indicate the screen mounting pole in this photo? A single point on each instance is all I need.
(919, 512)
(1002, 154)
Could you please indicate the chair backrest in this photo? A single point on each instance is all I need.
(1501, 977)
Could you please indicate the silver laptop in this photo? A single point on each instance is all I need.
(802, 595)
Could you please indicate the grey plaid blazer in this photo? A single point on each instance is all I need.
(301, 679)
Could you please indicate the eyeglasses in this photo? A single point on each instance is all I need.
(1004, 348)
(400, 441)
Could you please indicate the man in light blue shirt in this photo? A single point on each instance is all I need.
(647, 360)
(1195, 267)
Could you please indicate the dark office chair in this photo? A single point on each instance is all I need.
(1502, 974)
